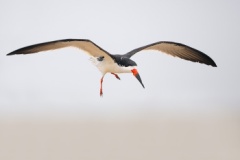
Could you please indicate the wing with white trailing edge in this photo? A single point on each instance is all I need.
(86, 45)
(176, 50)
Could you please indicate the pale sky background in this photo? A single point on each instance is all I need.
(65, 82)
(50, 106)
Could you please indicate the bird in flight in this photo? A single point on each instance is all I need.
(114, 64)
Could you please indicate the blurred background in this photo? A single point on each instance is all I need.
(50, 106)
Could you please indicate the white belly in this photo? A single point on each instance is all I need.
(105, 66)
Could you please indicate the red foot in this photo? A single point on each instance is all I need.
(101, 93)
(116, 76)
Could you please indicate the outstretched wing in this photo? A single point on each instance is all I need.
(176, 50)
(86, 45)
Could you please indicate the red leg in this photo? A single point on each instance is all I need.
(116, 76)
(101, 92)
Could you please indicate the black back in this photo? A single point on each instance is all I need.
(122, 60)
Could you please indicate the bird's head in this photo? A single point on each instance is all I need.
(136, 74)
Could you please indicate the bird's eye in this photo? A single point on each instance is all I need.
(100, 58)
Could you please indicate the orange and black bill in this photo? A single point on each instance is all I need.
(136, 74)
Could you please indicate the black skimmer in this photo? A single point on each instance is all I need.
(108, 63)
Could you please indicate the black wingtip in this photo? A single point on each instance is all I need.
(14, 53)
(213, 64)
(10, 54)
